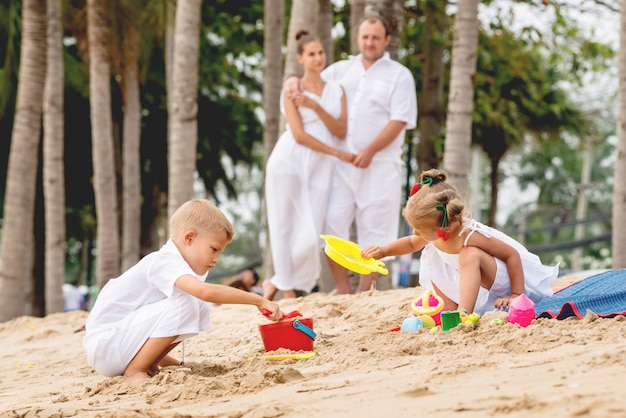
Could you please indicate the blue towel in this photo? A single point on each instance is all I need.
(603, 294)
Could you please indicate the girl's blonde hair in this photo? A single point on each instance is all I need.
(201, 216)
(434, 202)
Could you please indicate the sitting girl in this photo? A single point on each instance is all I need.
(473, 267)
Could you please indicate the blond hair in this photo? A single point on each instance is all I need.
(425, 207)
(201, 216)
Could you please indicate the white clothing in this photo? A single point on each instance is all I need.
(73, 299)
(442, 269)
(383, 92)
(297, 181)
(372, 196)
(142, 303)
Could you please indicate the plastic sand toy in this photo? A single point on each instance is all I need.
(428, 304)
(348, 254)
(521, 311)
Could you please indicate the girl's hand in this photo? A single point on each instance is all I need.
(273, 308)
(346, 157)
(504, 303)
(372, 251)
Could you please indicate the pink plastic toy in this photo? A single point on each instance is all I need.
(428, 304)
(521, 311)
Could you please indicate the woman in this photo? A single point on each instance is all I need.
(298, 173)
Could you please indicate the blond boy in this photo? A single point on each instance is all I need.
(140, 316)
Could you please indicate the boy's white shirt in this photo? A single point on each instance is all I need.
(150, 280)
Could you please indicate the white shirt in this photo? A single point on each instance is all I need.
(72, 298)
(150, 280)
(383, 92)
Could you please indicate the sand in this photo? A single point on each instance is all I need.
(569, 368)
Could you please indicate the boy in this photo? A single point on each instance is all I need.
(143, 314)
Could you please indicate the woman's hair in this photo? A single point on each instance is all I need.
(303, 37)
(255, 274)
(426, 206)
(201, 216)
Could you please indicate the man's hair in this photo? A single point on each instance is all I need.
(374, 19)
(202, 216)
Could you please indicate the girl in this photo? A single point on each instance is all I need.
(473, 267)
(299, 170)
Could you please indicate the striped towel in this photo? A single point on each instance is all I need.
(604, 294)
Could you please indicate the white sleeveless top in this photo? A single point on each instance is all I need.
(443, 269)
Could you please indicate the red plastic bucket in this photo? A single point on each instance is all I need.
(294, 335)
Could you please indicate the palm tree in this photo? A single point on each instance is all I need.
(16, 249)
(325, 23)
(302, 18)
(431, 94)
(126, 44)
(460, 102)
(618, 239)
(184, 104)
(105, 185)
(274, 11)
(53, 168)
(131, 225)
(357, 11)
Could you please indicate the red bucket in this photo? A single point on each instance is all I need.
(294, 335)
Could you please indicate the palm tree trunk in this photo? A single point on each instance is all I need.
(159, 196)
(274, 11)
(324, 28)
(105, 186)
(357, 11)
(456, 157)
(17, 246)
(431, 94)
(53, 168)
(131, 229)
(184, 105)
(618, 240)
(303, 16)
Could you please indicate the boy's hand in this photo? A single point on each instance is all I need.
(271, 310)
(372, 251)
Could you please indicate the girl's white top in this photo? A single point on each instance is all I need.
(442, 269)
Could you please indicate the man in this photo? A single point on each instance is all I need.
(382, 105)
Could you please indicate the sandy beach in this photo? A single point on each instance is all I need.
(568, 368)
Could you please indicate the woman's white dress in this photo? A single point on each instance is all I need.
(297, 181)
(442, 269)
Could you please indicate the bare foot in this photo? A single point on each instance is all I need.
(137, 375)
